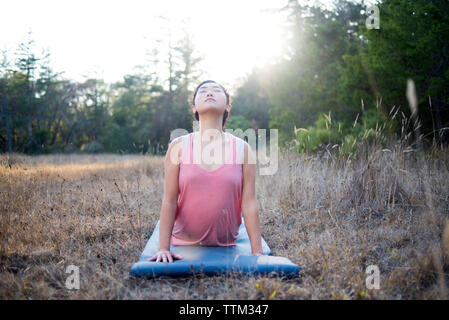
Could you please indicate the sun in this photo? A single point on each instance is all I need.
(235, 36)
(231, 36)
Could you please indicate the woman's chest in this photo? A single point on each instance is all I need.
(227, 176)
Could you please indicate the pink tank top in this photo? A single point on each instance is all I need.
(209, 203)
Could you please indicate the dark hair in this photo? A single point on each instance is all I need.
(225, 114)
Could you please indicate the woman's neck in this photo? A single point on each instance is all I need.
(210, 130)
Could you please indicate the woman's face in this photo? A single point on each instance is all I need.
(210, 94)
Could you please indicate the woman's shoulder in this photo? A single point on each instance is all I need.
(243, 149)
(176, 145)
(237, 139)
(180, 139)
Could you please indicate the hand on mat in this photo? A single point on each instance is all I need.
(164, 255)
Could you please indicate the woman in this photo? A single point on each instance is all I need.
(211, 195)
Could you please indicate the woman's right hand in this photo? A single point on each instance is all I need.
(164, 256)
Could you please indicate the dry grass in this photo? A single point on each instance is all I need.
(333, 219)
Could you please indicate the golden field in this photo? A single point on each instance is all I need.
(333, 218)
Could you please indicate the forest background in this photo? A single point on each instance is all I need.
(339, 84)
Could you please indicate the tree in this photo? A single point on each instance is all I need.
(252, 102)
(413, 42)
(309, 80)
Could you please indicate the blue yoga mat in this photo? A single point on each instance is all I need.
(213, 260)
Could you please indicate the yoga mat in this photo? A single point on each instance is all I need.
(213, 260)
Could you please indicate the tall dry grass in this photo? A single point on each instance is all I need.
(333, 218)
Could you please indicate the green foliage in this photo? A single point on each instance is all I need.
(312, 80)
(335, 64)
(238, 122)
(252, 102)
(284, 121)
(38, 142)
(412, 43)
(323, 132)
(331, 134)
(43, 113)
(92, 147)
(337, 80)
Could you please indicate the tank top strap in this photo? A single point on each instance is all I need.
(240, 152)
(233, 148)
(230, 152)
(186, 148)
(190, 148)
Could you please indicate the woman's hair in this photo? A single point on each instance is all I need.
(225, 114)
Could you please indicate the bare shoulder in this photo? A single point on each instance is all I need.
(248, 152)
(174, 151)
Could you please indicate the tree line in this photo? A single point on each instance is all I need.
(343, 83)
(338, 84)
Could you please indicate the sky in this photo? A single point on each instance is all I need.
(107, 39)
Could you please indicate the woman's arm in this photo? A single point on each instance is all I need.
(249, 202)
(169, 202)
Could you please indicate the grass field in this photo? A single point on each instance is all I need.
(388, 208)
